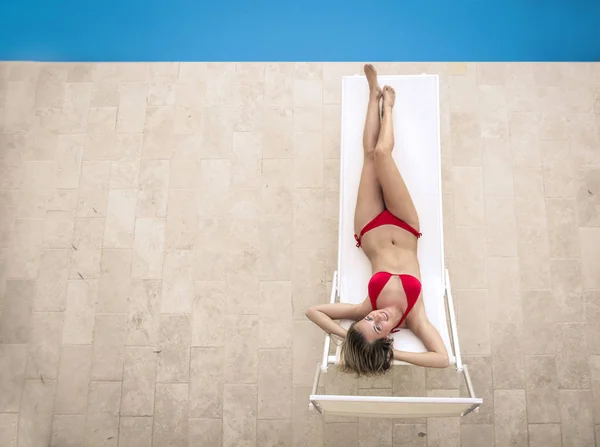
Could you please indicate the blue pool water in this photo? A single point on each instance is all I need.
(328, 30)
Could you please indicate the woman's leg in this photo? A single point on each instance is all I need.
(369, 202)
(395, 193)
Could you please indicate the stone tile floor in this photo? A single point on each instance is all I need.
(163, 227)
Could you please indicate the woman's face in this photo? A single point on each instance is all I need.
(377, 324)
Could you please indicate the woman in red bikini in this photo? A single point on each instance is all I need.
(387, 228)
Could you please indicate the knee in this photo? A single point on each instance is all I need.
(369, 152)
(382, 150)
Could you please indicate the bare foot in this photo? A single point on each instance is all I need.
(389, 97)
(374, 89)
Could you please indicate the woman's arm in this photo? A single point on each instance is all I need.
(324, 314)
(437, 357)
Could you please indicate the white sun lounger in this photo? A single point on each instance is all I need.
(417, 154)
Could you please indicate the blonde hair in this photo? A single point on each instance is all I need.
(365, 358)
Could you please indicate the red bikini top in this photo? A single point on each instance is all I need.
(412, 289)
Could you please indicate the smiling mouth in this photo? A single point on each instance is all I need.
(387, 318)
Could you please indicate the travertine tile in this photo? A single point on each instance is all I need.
(534, 256)
(274, 383)
(241, 349)
(185, 161)
(205, 432)
(135, 431)
(38, 182)
(594, 362)
(102, 120)
(501, 226)
(242, 284)
(239, 415)
(115, 281)
(544, 435)
(507, 356)
(68, 431)
(476, 435)
(375, 432)
(561, 215)
(132, 107)
(306, 349)
(589, 239)
(497, 167)
(174, 356)
(443, 431)
(52, 281)
(76, 107)
(80, 310)
(471, 305)
(576, 415)
(109, 347)
(275, 259)
(35, 418)
(9, 201)
(468, 195)
(493, 111)
(120, 218)
(274, 432)
(87, 248)
(50, 90)
(239, 143)
(67, 160)
(504, 290)
(481, 372)
(308, 280)
(413, 435)
(44, 345)
(465, 139)
(308, 160)
(148, 248)
(24, 248)
(93, 189)
(542, 389)
(587, 188)
(139, 378)
(510, 417)
(567, 289)
(246, 160)
(177, 284)
(102, 421)
(572, 356)
(279, 84)
(143, 313)
(307, 426)
(592, 319)
(275, 314)
(171, 414)
(73, 380)
(539, 333)
(206, 384)
(208, 326)
(182, 220)
(153, 190)
(558, 170)
(338, 434)
(13, 360)
(582, 131)
(15, 317)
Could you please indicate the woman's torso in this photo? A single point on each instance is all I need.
(394, 250)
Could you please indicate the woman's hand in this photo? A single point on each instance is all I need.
(324, 314)
(437, 357)
(425, 359)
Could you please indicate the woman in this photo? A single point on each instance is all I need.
(387, 228)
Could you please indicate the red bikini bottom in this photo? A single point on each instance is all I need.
(386, 218)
